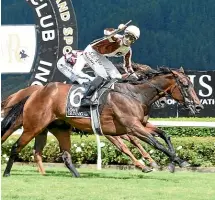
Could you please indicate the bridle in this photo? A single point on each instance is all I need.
(178, 82)
(183, 89)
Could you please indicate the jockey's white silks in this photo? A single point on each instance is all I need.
(66, 69)
(100, 64)
(74, 73)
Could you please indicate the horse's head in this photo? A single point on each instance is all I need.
(181, 89)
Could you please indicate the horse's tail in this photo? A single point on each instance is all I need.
(15, 111)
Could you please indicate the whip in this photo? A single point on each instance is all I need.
(109, 36)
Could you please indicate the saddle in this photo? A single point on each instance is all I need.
(74, 108)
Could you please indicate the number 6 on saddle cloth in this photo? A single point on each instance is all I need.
(74, 107)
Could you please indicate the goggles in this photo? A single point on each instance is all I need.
(130, 37)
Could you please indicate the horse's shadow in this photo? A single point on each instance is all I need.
(93, 175)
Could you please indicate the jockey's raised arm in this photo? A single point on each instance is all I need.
(109, 31)
(127, 62)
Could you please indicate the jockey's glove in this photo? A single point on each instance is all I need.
(122, 27)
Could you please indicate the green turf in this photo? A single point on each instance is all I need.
(109, 184)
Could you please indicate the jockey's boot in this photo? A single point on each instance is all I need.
(94, 85)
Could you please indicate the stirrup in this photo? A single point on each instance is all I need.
(85, 102)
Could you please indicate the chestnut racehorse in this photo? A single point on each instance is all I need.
(125, 111)
(58, 127)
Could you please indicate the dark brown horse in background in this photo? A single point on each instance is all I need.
(124, 112)
(58, 127)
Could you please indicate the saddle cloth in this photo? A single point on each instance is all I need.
(73, 105)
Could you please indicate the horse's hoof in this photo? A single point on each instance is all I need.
(76, 175)
(171, 167)
(154, 165)
(184, 164)
(6, 174)
(147, 169)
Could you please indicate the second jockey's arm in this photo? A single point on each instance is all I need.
(109, 31)
(127, 62)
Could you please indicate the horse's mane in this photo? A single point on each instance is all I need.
(145, 72)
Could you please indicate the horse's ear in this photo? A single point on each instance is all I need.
(164, 70)
(181, 69)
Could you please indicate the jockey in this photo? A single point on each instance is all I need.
(66, 65)
(112, 45)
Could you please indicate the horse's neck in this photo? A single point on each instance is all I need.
(146, 95)
(147, 92)
(150, 90)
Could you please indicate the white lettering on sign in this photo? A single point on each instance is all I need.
(68, 37)
(47, 35)
(202, 82)
(37, 9)
(43, 19)
(205, 85)
(207, 101)
(43, 72)
(63, 9)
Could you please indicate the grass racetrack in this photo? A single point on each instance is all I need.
(25, 183)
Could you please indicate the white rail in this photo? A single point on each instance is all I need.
(183, 124)
(195, 124)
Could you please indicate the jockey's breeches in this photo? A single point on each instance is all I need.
(100, 64)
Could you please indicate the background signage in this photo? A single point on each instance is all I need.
(18, 47)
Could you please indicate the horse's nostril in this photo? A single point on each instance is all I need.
(199, 107)
(162, 102)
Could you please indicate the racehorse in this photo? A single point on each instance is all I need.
(123, 113)
(55, 128)
(63, 139)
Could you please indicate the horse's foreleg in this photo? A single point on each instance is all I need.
(143, 152)
(161, 134)
(39, 144)
(68, 162)
(117, 141)
(63, 137)
(135, 128)
(166, 138)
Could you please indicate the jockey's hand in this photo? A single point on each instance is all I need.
(130, 76)
(130, 69)
(134, 76)
(122, 27)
